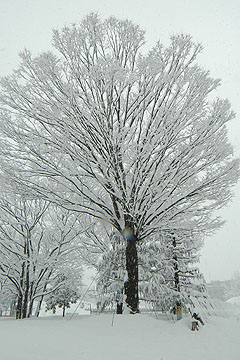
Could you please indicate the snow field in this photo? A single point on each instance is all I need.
(138, 337)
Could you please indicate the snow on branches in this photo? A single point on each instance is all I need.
(127, 137)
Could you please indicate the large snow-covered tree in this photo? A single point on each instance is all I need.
(133, 138)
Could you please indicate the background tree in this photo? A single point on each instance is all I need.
(7, 296)
(66, 294)
(35, 241)
(19, 221)
(133, 139)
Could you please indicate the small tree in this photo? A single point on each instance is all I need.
(64, 296)
(168, 272)
(130, 138)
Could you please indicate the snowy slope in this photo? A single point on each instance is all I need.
(137, 337)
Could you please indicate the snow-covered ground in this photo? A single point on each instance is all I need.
(135, 337)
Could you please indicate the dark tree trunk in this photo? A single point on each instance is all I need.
(177, 281)
(19, 307)
(30, 309)
(26, 294)
(119, 308)
(131, 287)
(176, 269)
(25, 305)
(64, 309)
(39, 306)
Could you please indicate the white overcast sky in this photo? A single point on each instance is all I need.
(214, 23)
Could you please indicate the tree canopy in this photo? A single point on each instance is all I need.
(131, 137)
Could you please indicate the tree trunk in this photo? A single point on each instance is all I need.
(119, 308)
(39, 306)
(25, 306)
(64, 309)
(176, 270)
(177, 281)
(30, 308)
(131, 286)
(31, 301)
(19, 307)
(26, 293)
